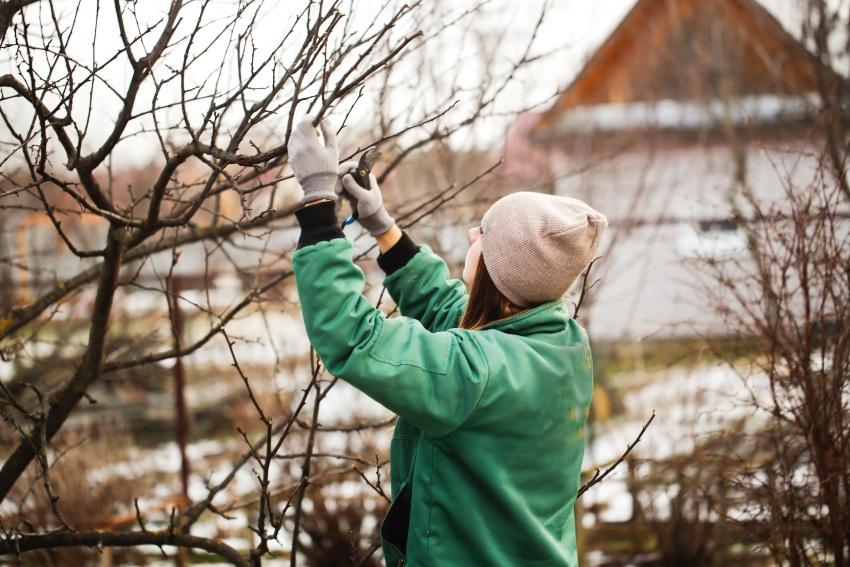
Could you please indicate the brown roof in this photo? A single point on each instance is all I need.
(691, 49)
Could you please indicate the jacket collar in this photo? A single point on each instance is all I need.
(549, 317)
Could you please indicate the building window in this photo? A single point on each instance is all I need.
(718, 239)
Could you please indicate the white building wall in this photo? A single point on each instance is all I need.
(651, 278)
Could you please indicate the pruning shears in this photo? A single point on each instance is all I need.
(361, 176)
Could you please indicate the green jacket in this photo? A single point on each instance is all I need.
(486, 455)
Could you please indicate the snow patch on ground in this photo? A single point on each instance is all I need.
(689, 404)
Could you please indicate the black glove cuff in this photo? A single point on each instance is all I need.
(318, 223)
(399, 255)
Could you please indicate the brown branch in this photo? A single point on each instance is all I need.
(101, 204)
(87, 373)
(376, 486)
(141, 69)
(306, 464)
(22, 543)
(191, 515)
(8, 9)
(584, 286)
(348, 428)
(17, 318)
(600, 476)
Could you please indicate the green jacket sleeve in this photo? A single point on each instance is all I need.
(423, 290)
(432, 379)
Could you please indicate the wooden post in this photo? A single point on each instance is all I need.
(182, 419)
(637, 512)
(23, 290)
(721, 529)
(8, 289)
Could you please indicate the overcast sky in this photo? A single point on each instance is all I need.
(572, 27)
(580, 26)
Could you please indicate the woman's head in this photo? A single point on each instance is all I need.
(529, 249)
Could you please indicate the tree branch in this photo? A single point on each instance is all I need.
(24, 542)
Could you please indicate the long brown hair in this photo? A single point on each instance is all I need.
(486, 303)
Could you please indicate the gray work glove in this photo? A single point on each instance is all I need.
(315, 166)
(345, 167)
(370, 205)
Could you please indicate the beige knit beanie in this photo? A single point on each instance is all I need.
(535, 246)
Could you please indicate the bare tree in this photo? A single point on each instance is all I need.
(791, 296)
(204, 87)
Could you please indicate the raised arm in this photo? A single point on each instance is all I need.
(417, 279)
(432, 379)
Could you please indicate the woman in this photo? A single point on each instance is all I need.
(492, 387)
